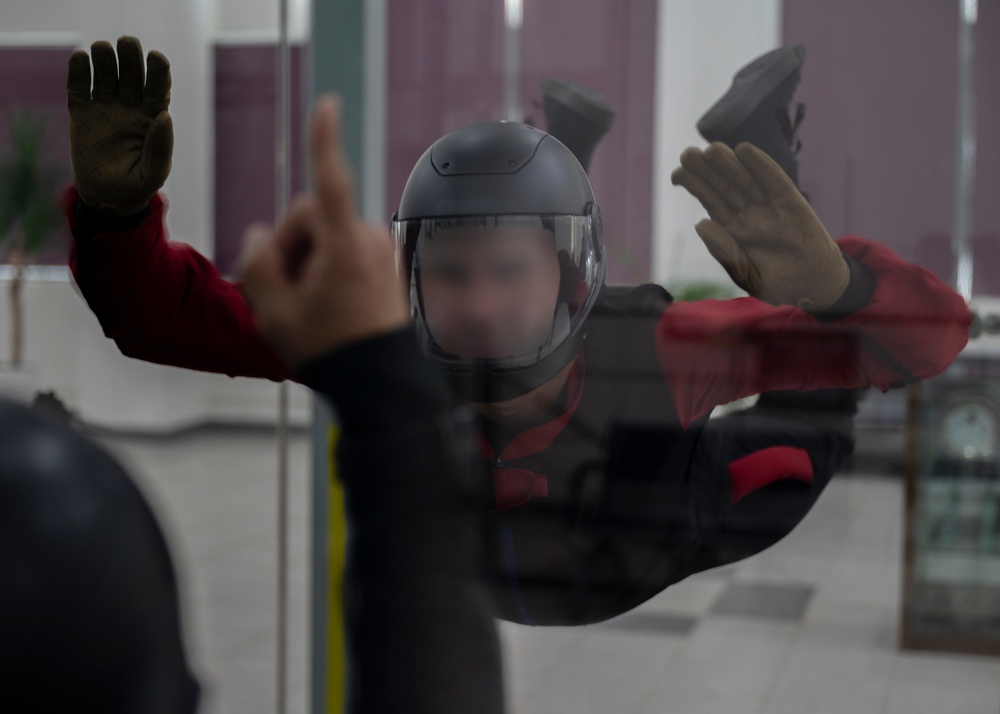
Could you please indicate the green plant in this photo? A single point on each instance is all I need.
(702, 290)
(29, 208)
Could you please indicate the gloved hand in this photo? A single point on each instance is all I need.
(761, 229)
(121, 136)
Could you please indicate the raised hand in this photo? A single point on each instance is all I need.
(121, 135)
(324, 279)
(761, 228)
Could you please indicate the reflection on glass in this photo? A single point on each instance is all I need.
(636, 488)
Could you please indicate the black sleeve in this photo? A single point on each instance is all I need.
(421, 633)
(786, 448)
(857, 294)
(818, 424)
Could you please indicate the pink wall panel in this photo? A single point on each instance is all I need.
(878, 154)
(246, 99)
(446, 70)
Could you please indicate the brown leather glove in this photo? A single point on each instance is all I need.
(761, 229)
(120, 135)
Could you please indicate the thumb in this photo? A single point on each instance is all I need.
(157, 151)
(724, 248)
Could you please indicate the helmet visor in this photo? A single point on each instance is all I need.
(502, 290)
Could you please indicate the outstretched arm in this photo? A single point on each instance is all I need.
(161, 302)
(822, 314)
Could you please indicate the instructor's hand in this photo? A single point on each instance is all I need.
(120, 133)
(324, 279)
(761, 229)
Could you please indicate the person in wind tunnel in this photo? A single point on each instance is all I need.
(610, 481)
(592, 399)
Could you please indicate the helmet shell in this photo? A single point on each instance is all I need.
(496, 168)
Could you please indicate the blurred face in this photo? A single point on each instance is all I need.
(489, 292)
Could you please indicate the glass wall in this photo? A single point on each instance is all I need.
(203, 447)
(687, 513)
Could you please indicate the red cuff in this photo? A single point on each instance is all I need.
(764, 467)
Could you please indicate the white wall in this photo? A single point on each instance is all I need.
(234, 19)
(26, 22)
(701, 44)
(66, 351)
(65, 347)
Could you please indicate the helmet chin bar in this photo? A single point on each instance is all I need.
(484, 383)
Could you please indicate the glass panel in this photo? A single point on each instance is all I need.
(675, 524)
(595, 526)
(200, 444)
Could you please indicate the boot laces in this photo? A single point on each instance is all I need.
(790, 126)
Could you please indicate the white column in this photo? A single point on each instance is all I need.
(700, 45)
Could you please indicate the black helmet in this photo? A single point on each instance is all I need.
(474, 198)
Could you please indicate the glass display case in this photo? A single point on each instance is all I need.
(951, 591)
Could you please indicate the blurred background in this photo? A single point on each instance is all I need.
(900, 144)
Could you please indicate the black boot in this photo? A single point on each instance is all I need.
(576, 116)
(755, 108)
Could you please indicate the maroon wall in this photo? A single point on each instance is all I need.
(446, 70)
(246, 100)
(878, 155)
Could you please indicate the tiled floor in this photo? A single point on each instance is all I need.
(810, 625)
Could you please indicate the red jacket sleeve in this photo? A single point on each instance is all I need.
(163, 302)
(715, 351)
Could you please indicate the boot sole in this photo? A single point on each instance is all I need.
(751, 85)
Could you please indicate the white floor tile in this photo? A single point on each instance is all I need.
(729, 664)
(944, 684)
(215, 494)
(603, 671)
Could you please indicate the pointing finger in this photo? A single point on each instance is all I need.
(333, 179)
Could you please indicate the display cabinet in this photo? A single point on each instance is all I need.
(951, 589)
